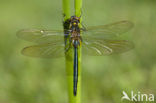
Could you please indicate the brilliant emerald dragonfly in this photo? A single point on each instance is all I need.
(95, 41)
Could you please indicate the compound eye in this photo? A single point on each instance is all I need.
(78, 19)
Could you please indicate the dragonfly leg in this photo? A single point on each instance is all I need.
(83, 27)
(66, 49)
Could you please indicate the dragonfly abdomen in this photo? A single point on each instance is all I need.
(75, 82)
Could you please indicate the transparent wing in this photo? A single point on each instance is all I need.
(44, 50)
(108, 31)
(105, 47)
(40, 36)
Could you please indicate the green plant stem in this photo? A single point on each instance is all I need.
(69, 56)
(78, 6)
(66, 9)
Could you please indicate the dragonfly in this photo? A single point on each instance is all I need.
(94, 40)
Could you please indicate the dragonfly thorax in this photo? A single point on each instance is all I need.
(75, 30)
(75, 37)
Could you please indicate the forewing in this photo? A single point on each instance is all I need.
(108, 31)
(50, 50)
(40, 36)
(105, 47)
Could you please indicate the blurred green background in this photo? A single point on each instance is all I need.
(30, 80)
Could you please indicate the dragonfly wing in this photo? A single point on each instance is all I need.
(49, 50)
(105, 47)
(108, 31)
(40, 36)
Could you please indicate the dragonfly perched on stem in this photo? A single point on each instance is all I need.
(95, 41)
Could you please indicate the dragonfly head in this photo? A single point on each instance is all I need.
(74, 21)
